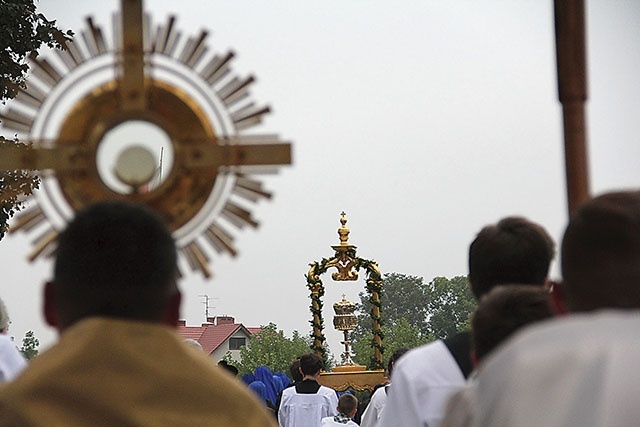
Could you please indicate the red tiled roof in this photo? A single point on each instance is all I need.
(211, 336)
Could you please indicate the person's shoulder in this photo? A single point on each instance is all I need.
(554, 342)
(425, 350)
(522, 348)
(382, 390)
(5, 341)
(288, 392)
(8, 348)
(426, 356)
(327, 422)
(606, 324)
(34, 373)
(586, 334)
(380, 393)
(461, 408)
(520, 379)
(199, 380)
(328, 391)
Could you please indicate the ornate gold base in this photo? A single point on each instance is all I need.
(354, 377)
(349, 368)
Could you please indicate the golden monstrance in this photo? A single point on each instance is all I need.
(150, 116)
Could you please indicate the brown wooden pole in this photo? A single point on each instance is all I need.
(572, 90)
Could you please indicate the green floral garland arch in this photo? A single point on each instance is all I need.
(374, 289)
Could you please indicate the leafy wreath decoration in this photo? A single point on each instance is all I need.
(374, 289)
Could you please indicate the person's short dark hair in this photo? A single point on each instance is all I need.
(503, 311)
(310, 363)
(601, 253)
(394, 358)
(515, 250)
(347, 403)
(294, 370)
(229, 368)
(114, 259)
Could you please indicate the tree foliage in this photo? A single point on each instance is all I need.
(414, 313)
(450, 303)
(30, 345)
(22, 33)
(14, 187)
(271, 348)
(401, 334)
(403, 297)
(404, 311)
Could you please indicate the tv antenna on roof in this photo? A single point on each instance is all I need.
(206, 305)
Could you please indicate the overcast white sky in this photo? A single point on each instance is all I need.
(423, 120)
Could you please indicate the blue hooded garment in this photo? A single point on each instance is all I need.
(265, 375)
(248, 378)
(278, 383)
(260, 390)
(284, 378)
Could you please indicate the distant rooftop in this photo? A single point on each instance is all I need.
(214, 332)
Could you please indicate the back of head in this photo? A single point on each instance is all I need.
(347, 404)
(229, 368)
(503, 311)
(601, 254)
(294, 370)
(310, 363)
(194, 344)
(394, 358)
(114, 259)
(515, 250)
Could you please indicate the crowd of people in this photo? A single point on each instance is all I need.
(267, 385)
(539, 353)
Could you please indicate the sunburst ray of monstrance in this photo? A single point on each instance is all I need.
(149, 117)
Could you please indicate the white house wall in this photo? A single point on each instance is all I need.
(219, 353)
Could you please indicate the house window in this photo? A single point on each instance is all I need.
(236, 343)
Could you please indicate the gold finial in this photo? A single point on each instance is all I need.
(343, 231)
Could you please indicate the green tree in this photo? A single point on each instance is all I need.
(413, 313)
(15, 186)
(30, 345)
(450, 304)
(401, 334)
(22, 33)
(403, 297)
(270, 347)
(404, 313)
